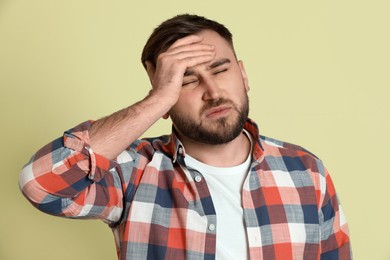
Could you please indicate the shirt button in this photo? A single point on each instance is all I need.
(211, 227)
(198, 178)
(180, 150)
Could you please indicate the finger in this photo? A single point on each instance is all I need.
(187, 54)
(193, 61)
(187, 40)
(191, 47)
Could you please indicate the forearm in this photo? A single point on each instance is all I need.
(111, 135)
(68, 175)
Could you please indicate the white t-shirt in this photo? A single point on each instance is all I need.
(225, 185)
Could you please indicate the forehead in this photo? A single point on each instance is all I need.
(222, 47)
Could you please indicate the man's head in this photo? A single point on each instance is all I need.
(213, 103)
(176, 28)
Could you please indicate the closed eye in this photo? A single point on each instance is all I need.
(220, 71)
(189, 82)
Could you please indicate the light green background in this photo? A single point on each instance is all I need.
(319, 77)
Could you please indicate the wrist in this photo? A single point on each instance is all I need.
(162, 98)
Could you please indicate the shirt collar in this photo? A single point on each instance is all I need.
(258, 150)
(175, 147)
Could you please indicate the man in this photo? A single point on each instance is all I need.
(213, 188)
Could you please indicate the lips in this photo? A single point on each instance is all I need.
(218, 111)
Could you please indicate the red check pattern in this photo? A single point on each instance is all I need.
(158, 210)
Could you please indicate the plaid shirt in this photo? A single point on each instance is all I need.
(159, 209)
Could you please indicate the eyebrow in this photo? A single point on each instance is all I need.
(215, 64)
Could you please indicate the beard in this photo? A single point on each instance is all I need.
(219, 131)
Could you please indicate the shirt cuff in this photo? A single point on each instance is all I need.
(77, 139)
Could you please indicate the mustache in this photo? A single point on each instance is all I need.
(215, 103)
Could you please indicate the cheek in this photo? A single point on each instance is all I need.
(235, 86)
(234, 79)
(187, 104)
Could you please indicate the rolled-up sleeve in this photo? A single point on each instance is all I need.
(66, 178)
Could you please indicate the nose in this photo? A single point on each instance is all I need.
(211, 89)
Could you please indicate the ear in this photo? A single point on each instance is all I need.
(150, 69)
(166, 115)
(244, 76)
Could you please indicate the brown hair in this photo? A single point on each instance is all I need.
(178, 27)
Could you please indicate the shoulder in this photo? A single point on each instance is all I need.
(291, 156)
(149, 145)
(284, 147)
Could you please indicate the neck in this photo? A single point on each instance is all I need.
(222, 155)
